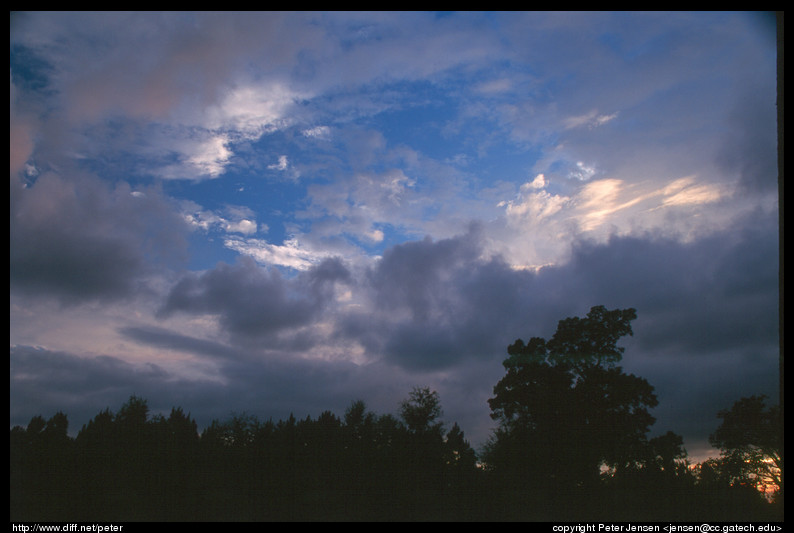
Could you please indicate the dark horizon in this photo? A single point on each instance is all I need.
(241, 469)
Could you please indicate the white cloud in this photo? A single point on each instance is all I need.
(583, 172)
(282, 164)
(246, 227)
(684, 191)
(31, 171)
(536, 222)
(235, 220)
(538, 183)
(599, 200)
(249, 111)
(396, 183)
(318, 132)
(211, 156)
(291, 254)
(533, 204)
(589, 120)
(375, 235)
(358, 204)
(205, 138)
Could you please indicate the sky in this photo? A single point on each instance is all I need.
(285, 212)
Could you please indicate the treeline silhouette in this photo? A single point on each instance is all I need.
(131, 466)
(128, 466)
(571, 444)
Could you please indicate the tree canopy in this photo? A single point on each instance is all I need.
(132, 465)
(560, 393)
(751, 443)
(421, 411)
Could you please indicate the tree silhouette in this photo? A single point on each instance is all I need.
(667, 454)
(751, 442)
(592, 340)
(421, 411)
(565, 409)
(40, 460)
(358, 421)
(134, 465)
(460, 459)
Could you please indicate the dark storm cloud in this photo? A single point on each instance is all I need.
(706, 332)
(271, 383)
(322, 277)
(749, 145)
(79, 240)
(170, 340)
(693, 388)
(253, 302)
(44, 382)
(698, 303)
(436, 304)
(414, 275)
(42, 368)
(712, 294)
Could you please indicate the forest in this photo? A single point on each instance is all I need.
(571, 444)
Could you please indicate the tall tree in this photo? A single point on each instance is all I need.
(565, 408)
(460, 460)
(421, 411)
(667, 454)
(591, 341)
(751, 442)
